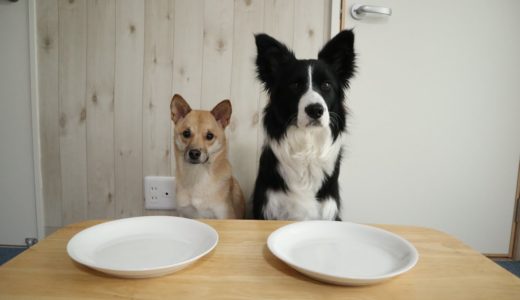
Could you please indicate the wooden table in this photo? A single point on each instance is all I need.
(241, 267)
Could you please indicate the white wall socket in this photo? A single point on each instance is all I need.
(159, 192)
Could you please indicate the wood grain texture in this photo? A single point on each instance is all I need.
(157, 87)
(73, 113)
(335, 17)
(245, 92)
(327, 19)
(188, 49)
(308, 28)
(48, 89)
(242, 267)
(157, 91)
(128, 107)
(279, 20)
(187, 52)
(100, 108)
(217, 53)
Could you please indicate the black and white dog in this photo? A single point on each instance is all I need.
(304, 122)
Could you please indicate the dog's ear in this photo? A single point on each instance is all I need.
(271, 55)
(179, 108)
(222, 113)
(339, 54)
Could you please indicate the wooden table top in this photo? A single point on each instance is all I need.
(242, 267)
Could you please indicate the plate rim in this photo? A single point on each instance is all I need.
(139, 270)
(351, 279)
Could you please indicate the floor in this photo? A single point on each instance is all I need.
(511, 266)
(7, 253)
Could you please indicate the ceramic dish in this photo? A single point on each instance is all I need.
(341, 252)
(142, 247)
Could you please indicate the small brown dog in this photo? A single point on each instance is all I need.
(204, 183)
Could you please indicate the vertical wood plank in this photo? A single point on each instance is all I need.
(157, 87)
(334, 21)
(72, 73)
(100, 108)
(278, 22)
(217, 52)
(245, 92)
(187, 52)
(327, 19)
(128, 124)
(48, 89)
(308, 28)
(157, 90)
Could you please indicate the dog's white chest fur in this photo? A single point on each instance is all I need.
(305, 156)
(194, 192)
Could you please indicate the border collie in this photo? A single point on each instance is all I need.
(304, 122)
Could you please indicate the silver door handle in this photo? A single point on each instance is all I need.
(358, 11)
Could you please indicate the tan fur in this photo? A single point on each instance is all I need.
(207, 189)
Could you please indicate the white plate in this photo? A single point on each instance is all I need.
(341, 252)
(142, 247)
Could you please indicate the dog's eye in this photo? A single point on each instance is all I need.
(325, 86)
(209, 136)
(186, 133)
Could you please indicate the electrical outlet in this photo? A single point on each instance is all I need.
(159, 192)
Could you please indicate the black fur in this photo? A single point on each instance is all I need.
(271, 180)
(330, 187)
(285, 79)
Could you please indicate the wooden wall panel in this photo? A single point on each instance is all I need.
(187, 52)
(308, 28)
(108, 69)
(326, 21)
(100, 108)
(48, 88)
(245, 92)
(217, 52)
(157, 87)
(157, 90)
(279, 20)
(128, 107)
(73, 113)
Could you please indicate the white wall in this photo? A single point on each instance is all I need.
(17, 189)
(435, 119)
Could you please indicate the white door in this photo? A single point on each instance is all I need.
(17, 185)
(435, 118)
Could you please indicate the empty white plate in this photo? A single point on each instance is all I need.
(341, 252)
(142, 247)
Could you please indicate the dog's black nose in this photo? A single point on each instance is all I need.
(314, 111)
(194, 154)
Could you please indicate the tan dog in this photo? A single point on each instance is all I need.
(205, 185)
